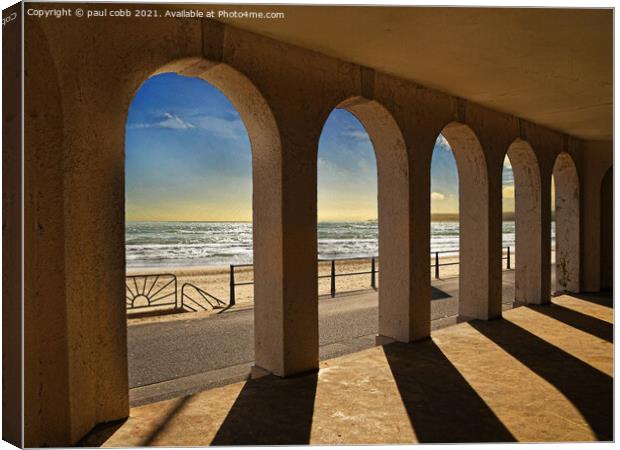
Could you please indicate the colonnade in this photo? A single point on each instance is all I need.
(75, 325)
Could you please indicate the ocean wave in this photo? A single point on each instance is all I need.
(156, 244)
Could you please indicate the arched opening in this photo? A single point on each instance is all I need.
(522, 198)
(200, 143)
(473, 219)
(566, 202)
(607, 230)
(444, 231)
(373, 125)
(508, 234)
(347, 232)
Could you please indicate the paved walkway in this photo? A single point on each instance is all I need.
(540, 374)
(177, 357)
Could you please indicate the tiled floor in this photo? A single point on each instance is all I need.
(541, 374)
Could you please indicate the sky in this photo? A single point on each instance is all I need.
(188, 157)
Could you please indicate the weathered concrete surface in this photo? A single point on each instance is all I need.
(607, 231)
(567, 219)
(598, 162)
(404, 309)
(12, 333)
(528, 225)
(475, 287)
(544, 373)
(79, 90)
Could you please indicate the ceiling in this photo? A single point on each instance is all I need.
(550, 66)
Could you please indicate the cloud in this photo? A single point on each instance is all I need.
(359, 168)
(357, 135)
(323, 164)
(508, 192)
(222, 128)
(175, 122)
(507, 173)
(443, 143)
(508, 177)
(166, 120)
(437, 196)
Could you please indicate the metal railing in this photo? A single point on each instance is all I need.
(373, 272)
(195, 302)
(152, 290)
(333, 275)
(231, 301)
(159, 291)
(456, 263)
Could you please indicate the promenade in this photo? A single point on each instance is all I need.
(194, 351)
(542, 373)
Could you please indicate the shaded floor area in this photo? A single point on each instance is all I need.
(542, 373)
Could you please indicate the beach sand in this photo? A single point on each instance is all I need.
(216, 279)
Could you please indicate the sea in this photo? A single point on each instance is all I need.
(181, 244)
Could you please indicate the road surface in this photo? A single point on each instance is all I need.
(203, 352)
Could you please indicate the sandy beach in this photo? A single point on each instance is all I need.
(216, 279)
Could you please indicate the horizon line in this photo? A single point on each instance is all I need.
(446, 217)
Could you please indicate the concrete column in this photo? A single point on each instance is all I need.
(403, 315)
(284, 224)
(545, 237)
(592, 172)
(478, 226)
(528, 224)
(47, 414)
(495, 165)
(286, 331)
(12, 256)
(75, 325)
(591, 216)
(607, 231)
(567, 224)
(420, 237)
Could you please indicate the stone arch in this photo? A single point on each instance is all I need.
(528, 225)
(394, 215)
(474, 244)
(607, 230)
(567, 223)
(267, 221)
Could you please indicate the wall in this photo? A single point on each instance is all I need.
(80, 79)
(607, 231)
(11, 228)
(597, 159)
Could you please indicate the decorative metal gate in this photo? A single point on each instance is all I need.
(150, 291)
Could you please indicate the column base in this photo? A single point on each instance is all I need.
(257, 372)
(383, 340)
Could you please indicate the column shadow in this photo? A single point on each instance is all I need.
(271, 411)
(100, 434)
(588, 324)
(588, 389)
(442, 406)
(603, 298)
(180, 405)
(438, 294)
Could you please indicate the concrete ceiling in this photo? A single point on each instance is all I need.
(550, 66)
